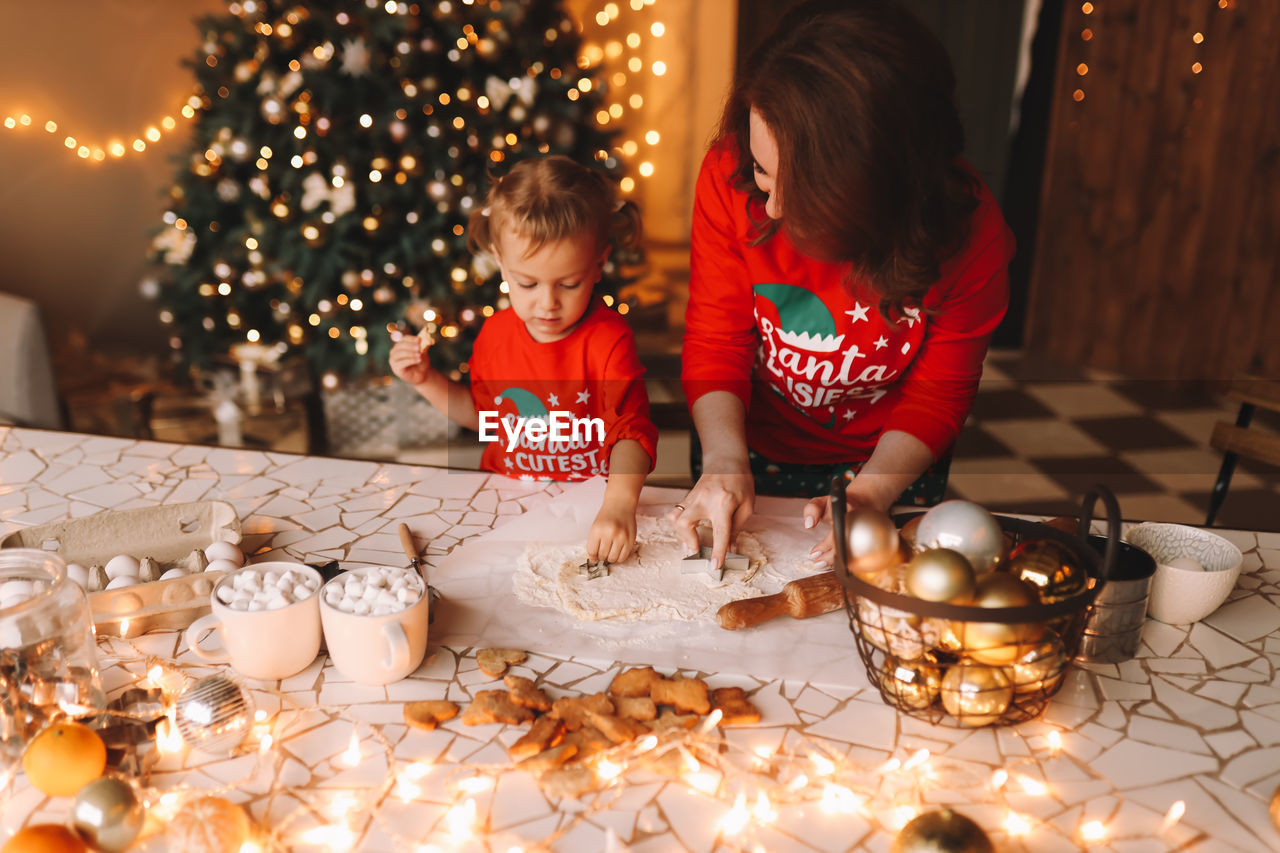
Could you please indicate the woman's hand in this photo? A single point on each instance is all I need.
(613, 534)
(726, 500)
(409, 360)
(819, 509)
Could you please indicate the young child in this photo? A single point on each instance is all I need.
(558, 353)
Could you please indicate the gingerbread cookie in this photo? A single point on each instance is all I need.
(495, 706)
(527, 694)
(618, 729)
(574, 710)
(494, 662)
(633, 682)
(429, 713)
(547, 759)
(686, 695)
(567, 782)
(733, 704)
(635, 708)
(545, 732)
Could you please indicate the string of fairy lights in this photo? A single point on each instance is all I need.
(746, 786)
(1087, 33)
(605, 44)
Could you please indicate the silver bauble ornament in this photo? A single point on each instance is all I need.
(965, 527)
(107, 814)
(214, 714)
(940, 574)
(942, 831)
(872, 540)
(975, 694)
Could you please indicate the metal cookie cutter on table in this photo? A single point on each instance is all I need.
(701, 562)
(594, 569)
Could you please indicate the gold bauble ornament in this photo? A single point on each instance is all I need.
(965, 527)
(942, 831)
(912, 685)
(997, 643)
(1051, 567)
(907, 533)
(975, 694)
(1039, 668)
(890, 630)
(940, 574)
(107, 814)
(872, 540)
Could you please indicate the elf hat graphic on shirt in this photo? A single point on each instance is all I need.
(527, 405)
(803, 321)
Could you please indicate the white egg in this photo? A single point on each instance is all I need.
(224, 551)
(1187, 564)
(78, 573)
(122, 581)
(122, 564)
(221, 566)
(173, 573)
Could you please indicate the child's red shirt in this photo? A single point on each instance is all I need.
(592, 373)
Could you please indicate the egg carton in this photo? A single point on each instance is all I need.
(172, 536)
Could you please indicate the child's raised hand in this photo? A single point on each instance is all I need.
(409, 359)
(613, 535)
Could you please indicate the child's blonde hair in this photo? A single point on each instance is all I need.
(546, 199)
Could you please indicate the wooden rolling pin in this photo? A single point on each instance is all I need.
(801, 598)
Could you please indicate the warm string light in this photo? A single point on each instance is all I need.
(620, 52)
(113, 149)
(750, 782)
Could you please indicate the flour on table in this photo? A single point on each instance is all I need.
(648, 587)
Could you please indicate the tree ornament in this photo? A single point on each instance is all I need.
(273, 109)
(976, 694)
(942, 831)
(872, 539)
(998, 643)
(1051, 567)
(911, 685)
(214, 714)
(907, 534)
(965, 527)
(940, 574)
(1039, 668)
(107, 814)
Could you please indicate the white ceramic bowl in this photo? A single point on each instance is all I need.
(1182, 596)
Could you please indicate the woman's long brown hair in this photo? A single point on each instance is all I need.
(858, 95)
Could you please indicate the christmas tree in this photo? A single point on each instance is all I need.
(338, 150)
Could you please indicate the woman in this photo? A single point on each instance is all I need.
(848, 270)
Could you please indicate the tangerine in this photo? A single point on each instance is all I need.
(63, 758)
(44, 838)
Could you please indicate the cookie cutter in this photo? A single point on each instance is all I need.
(701, 562)
(594, 569)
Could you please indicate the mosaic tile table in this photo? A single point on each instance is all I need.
(1176, 750)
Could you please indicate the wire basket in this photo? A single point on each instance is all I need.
(967, 666)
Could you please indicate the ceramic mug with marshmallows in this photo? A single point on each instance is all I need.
(375, 623)
(267, 617)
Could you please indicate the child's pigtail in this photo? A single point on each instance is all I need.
(479, 232)
(626, 229)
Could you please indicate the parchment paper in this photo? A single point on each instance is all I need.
(478, 607)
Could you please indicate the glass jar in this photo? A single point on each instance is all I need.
(48, 649)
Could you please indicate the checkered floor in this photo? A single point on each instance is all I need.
(1040, 435)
